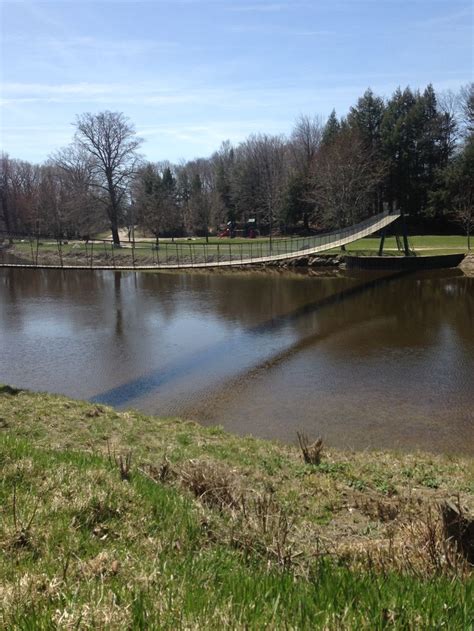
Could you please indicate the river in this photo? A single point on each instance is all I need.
(366, 361)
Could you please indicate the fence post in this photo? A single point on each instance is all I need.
(32, 253)
(59, 244)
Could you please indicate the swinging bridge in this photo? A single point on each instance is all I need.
(103, 255)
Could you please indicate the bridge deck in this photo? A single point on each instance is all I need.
(315, 245)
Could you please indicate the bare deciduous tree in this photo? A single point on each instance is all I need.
(305, 141)
(110, 139)
(6, 214)
(266, 156)
(344, 181)
(74, 172)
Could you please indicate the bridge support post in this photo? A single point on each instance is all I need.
(382, 241)
(405, 235)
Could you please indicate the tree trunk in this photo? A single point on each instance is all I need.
(115, 233)
(113, 209)
(6, 219)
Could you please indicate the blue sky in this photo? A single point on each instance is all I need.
(192, 73)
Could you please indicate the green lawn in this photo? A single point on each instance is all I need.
(422, 244)
(208, 530)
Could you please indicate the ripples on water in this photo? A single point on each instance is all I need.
(365, 360)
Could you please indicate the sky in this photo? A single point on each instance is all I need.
(192, 73)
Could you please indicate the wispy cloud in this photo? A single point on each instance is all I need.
(449, 19)
(246, 95)
(261, 7)
(113, 47)
(93, 45)
(94, 93)
(263, 27)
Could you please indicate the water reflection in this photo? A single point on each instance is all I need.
(367, 360)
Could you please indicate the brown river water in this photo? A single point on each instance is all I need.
(366, 361)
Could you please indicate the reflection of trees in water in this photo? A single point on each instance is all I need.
(418, 307)
(246, 299)
(55, 283)
(72, 288)
(10, 306)
(118, 304)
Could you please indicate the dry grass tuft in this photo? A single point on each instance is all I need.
(263, 526)
(95, 514)
(122, 462)
(381, 509)
(95, 412)
(164, 472)
(108, 613)
(430, 550)
(459, 528)
(103, 565)
(418, 547)
(22, 536)
(213, 484)
(311, 452)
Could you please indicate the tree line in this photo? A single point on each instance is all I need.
(413, 151)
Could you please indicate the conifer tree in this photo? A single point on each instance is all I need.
(331, 129)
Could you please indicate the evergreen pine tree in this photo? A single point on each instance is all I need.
(331, 129)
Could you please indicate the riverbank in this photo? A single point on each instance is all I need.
(116, 519)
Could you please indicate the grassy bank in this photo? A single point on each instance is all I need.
(119, 520)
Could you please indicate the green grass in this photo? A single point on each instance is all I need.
(423, 245)
(101, 552)
(210, 530)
